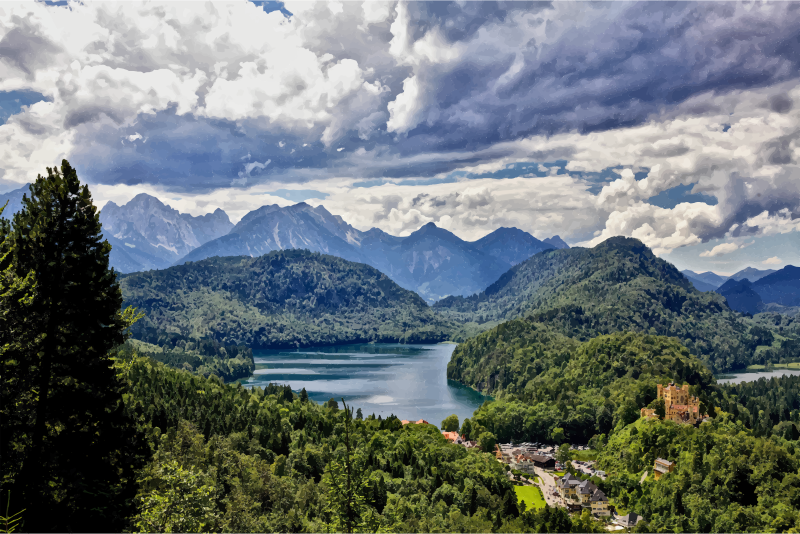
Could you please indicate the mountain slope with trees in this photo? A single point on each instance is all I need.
(554, 389)
(286, 298)
(619, 285)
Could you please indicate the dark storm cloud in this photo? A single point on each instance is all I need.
(25, 48)
(183, 152)
(632, 62)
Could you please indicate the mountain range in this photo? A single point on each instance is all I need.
(709, 281)
(146, 234)
(778, 291)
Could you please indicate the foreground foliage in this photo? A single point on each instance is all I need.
(67, 453)
(725, 480)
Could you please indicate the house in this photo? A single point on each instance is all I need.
(599, 503)
(543, 462)
(629, 521)
(585, 491)
(568, 485)
(662, 467)
(470, 444)
(452, 436)
(679, 406)
(523, 462)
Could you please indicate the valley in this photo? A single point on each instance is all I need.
(246, 350)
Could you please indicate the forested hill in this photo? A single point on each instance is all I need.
(282, 299)
(619, 285)
(555, 388)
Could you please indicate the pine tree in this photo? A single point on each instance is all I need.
(75, 443)
(17, 393)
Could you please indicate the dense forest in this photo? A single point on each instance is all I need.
(287, 298)
(561, 391)
(265, 458)
(619, 285)
(204, 357)
(726, 479)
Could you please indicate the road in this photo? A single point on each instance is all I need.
(548, 486)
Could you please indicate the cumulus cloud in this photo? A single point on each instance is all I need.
(719, 250)
(774, 260)
(652, 96)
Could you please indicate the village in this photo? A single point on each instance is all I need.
(566, 476)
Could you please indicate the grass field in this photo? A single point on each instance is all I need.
(584, 456)
(532, 496)
(558, 473)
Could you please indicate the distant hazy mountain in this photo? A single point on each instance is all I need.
(274, 228)
(14, 199)
(778, 292)
(754, 275)
(781, 287)
(709, 281)
(431, 261)
(699, 284)
(146, 234)
(707, 277)
(512, 245)
(557, 242)
(741, 296)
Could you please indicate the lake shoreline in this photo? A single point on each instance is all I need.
(406, 380)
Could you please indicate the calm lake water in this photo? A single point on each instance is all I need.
(409, 381)
(749, 376)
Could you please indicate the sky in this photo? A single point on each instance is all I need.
(674, 123)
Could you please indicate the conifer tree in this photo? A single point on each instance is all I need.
(72, 439)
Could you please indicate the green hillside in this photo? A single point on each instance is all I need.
(547, 382)
(619, 285)
(726, 479)
(283, 299)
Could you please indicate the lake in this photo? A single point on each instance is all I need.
(752, 376)
(409, 381)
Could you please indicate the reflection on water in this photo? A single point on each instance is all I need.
(409, 381)
(752, 376)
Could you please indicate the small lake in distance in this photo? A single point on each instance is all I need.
(409, 381)
(752, 376)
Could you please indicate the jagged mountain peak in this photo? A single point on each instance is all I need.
(145, 233)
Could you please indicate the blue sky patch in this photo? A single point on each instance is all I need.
(11, 102)
(672, 197)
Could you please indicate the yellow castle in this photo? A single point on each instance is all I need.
(679, 406)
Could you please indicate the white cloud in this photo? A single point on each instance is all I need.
(774, 260)
(333, 69)
(719, 250)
